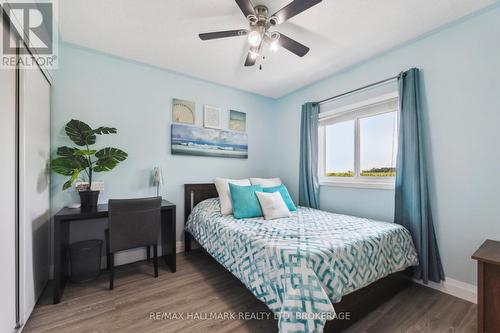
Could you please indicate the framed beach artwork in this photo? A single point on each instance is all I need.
(199, 141)
(237, 121)
(183, 111)
(211, 117)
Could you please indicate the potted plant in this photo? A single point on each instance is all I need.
(72, 161)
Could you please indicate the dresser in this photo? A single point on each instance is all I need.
(488, 286)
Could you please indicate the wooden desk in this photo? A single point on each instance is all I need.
(61, 239)
(488, 286)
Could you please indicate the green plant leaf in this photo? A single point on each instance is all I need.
(80, 133)
(109, 165)
(66, 166)
(72, 153)
(114, 153)
(66, 151)
(108, 158)
(82, 161)
(80, 152)
(105, 130)
(70, 182)
(67, 184)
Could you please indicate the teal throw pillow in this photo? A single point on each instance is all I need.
(245, 202)
(284, 194)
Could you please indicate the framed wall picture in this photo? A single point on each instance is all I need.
(237, 121)
(211, 117)
(199, 141)
(183, 111)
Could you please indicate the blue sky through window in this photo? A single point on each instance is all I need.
(378, 143)
(340, 147)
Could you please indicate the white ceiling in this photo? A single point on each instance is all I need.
(340, 33)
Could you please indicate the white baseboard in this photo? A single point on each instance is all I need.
(126, 257)
(20, 329)
(455, 288)
(179, 247)
(134, 255)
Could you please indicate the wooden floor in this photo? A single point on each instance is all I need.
(201, 287)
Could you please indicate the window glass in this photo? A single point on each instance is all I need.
(378, 145)
(339, 149)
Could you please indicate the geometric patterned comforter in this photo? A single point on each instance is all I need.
(300, 266)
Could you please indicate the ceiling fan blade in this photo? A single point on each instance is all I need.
(223, 34)
(294, 8)
(246, 7)
(292, 45)
(252, 56)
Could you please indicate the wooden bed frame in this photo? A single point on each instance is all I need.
(357, 304)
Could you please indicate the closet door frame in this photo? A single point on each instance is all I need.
(17, 194)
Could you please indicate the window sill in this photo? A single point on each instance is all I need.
(358, 184)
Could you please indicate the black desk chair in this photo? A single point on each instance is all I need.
(132, 223)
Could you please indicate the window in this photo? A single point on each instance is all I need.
(358, 143)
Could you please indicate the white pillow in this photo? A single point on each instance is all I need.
(266, 182)
(273, 206)
(222, 186)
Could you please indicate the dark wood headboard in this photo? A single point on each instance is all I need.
(193, 195)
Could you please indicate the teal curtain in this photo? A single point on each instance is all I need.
(308, 174)
(412, 208)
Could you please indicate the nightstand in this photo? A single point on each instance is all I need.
(488, 286)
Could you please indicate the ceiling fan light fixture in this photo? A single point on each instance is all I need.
(254, 38)
(252, 19)
(258, 34)
(273, 41)
(274, 36)
(274, 20)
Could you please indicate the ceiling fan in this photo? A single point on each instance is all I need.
(260, 22)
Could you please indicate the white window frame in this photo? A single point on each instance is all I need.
(354, 112)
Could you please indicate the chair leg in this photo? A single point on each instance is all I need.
(148, 253)
(155, 259)
(108, 256)
(111, 270)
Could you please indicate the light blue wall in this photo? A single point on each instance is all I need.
(136, 99)
(461, 68)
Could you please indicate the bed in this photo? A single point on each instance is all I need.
(309, 268)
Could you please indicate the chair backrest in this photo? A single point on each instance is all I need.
(134, 223)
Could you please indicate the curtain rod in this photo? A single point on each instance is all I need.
(396, 77)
